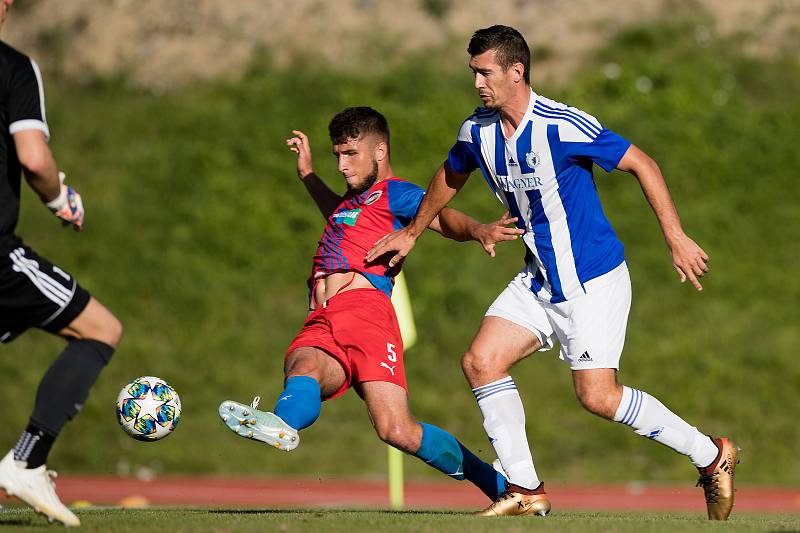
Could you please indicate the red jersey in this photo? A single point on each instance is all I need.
(358, 222)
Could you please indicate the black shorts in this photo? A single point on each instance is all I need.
(35, 293)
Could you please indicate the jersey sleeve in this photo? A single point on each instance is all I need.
(606, 149)
(583, 137)
(404, 200)
(26, 99)
(463, 156)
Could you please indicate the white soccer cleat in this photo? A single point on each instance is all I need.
(35, 487)
(248, 422)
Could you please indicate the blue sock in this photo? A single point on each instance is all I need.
(299, 404)
(443, 452)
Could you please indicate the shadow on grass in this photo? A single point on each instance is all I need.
(328, 511)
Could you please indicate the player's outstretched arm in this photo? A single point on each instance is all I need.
(323, 196)
(41, 173)
(443, 187)
(459, 226)
(688, 259)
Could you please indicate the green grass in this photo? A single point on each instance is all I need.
(354, 521)
(199, 237)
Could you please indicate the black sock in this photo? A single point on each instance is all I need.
(33, 446)
(65, 386)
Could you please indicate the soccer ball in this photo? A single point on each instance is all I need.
(148, 408)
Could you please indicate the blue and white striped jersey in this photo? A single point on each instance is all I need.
(543, 174)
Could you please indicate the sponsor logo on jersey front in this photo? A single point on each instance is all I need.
(522, 183)
(348, 217)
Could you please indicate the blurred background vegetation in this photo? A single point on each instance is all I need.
(199, 237)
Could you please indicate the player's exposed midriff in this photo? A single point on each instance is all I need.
(329, 285)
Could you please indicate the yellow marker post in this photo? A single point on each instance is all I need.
(408, 332)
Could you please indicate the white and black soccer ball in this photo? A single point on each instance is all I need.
(148, 408)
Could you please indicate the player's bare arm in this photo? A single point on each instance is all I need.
(459, 226)
(444, 185)
(688, 259)
(41, 173)
(323, 196)
(38, 163)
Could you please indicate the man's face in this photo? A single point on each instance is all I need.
(494, 84)
(357, 162)
(4, 5)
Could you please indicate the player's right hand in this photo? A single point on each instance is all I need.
(299, 145)
(400, 241)
(68, 206)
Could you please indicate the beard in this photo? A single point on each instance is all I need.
(367, 182)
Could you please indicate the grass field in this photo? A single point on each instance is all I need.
(356, 521)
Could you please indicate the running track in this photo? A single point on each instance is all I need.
(337, 493)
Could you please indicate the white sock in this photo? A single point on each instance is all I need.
(651, 419)
(504, 423)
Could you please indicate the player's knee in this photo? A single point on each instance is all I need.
(475, 364)
(596, 402)
(397, 434)
(302, 367)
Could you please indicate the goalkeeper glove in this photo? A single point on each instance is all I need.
(68, 206)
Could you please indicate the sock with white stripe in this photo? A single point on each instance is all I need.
(504, 423)
(443, 452)
(33, 446)
(651, 419)
(66, 384)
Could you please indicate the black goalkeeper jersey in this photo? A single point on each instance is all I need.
(21, 108)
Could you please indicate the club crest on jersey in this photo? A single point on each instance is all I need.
(372, 198)
(348, 217)
(533, 159)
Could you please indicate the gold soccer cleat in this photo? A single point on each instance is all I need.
(517, 501)
(717, 479)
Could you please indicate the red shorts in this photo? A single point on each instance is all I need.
(359, 329)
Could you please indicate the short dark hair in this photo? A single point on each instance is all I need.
(354, 122)
(508, 44)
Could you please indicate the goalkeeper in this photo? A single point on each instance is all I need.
(351, 337)
(36, 293)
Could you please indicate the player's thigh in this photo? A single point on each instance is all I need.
(94, 322)
(318, 364)
(387, 405)
(497, 346)
(516, 325)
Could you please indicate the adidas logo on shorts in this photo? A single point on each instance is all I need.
(585, 358)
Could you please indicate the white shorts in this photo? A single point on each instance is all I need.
(590, 328)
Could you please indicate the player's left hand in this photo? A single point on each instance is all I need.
(689, 260)
(400, 241)
(490, 234)
(68, 206)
